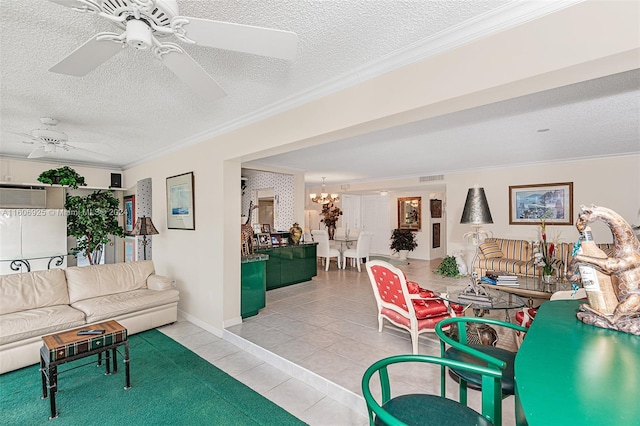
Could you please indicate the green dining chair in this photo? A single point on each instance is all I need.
(485, 355)
(425, 409)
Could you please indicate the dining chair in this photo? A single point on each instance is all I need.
(404, 303)
(462, 350)
(321, 236)
(360, 252)
(425, 408)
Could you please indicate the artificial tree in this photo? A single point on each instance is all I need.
(92, 219)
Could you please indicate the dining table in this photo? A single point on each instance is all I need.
(571, 373)
(345, 243)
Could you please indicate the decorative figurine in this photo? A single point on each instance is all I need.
(246, 233)
(623, 266)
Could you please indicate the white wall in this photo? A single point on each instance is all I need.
(27, 171)
(612, 182)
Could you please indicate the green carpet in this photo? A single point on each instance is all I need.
(169, 385)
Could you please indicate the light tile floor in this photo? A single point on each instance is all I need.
(307, 350)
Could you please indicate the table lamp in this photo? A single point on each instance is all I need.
(476, 213)
(144, 227)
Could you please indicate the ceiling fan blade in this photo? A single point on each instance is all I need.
(242, 38)
(37, 153)
(189, 71)
(87, 57)
(86, 152)
(28, 136)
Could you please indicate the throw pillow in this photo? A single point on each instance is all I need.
(491, 250)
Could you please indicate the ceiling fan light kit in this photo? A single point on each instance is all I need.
(143, 20)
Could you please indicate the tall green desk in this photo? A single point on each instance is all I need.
(571, 373)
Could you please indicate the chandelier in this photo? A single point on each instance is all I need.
(323, 197)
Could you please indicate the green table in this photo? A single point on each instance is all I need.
(571, 373)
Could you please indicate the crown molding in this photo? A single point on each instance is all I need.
(501, 19)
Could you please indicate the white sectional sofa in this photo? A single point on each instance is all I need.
(33, 304)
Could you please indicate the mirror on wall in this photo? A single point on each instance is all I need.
(265, 207)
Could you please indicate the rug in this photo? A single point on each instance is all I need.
(392, 260)
(169, 385)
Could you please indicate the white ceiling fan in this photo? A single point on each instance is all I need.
(146, 23)
(51, 141)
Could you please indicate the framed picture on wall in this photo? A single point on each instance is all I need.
(435, 235)
(409, 213)
(129, 249)
(129, 213)
(436, 208)
(553, 202)
(180, 202)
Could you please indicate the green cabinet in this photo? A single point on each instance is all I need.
(290, 264)
(253, 285)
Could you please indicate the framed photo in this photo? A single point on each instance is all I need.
(553, 202)
(435, 235)
(180, 205)
(265, 227)
(409, 213)
(257, 228)
(276, 240)
(129, 249)
(264, 239)
(436, 208)
(129, 213)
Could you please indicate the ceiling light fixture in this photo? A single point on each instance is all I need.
(324, 198)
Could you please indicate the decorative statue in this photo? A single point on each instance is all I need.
(246, 233)
(623, 266)
(462, 267)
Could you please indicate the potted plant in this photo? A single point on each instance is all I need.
(92, 219)
(448, 267)
(402, 242)
(65, 176)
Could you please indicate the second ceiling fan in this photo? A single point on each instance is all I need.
(146, 23)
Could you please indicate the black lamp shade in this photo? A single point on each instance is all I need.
(476, 208)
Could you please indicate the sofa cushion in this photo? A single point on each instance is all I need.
(87, 282)
(491, 250)
(30, 290)
(38, 322)
(114, 305)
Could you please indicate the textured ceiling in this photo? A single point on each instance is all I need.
(132, 107)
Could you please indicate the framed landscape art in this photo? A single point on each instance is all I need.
(180, 205)
(129, 213)
(553, 202)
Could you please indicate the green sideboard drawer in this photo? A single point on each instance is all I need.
(290, 264)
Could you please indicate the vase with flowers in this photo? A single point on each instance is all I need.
(330, 215)
(544, 255)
